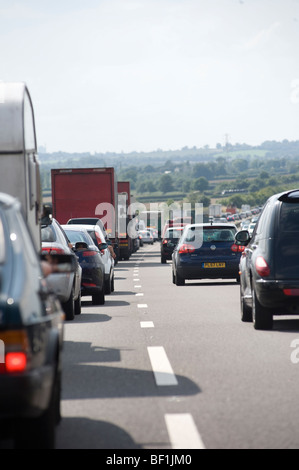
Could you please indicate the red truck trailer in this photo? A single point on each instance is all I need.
(124, 202)
(86, 192)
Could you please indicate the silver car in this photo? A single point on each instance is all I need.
(99, 240)
(66, 286)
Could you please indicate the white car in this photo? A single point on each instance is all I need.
(146, 236)
(99, 240)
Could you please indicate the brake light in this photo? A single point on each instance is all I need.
(53, 251)
(15, 362)
(262, 267)
(237, 248)
(165, 242)
(16, 346)
(291, 292)
(186, 248)
(89, 253)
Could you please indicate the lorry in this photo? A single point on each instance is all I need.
(87, 192)
(126, 243)
(215, 211)
(19, 164)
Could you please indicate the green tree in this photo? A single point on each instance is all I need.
(166, 183)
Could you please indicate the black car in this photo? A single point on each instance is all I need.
(90, 259)
(269, 267)
(169, 242)
(31, 336)
(206, 251)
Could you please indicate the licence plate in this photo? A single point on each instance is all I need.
(214, 265)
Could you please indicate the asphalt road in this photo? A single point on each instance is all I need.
(166, 367)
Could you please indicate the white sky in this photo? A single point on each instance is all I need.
(125, 75)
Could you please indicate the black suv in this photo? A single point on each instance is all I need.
(269, 266)
(31, 337)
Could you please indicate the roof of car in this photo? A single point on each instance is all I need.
(216, 225)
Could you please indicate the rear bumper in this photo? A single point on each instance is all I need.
(196, 270)
(270, 294)
(26, 395)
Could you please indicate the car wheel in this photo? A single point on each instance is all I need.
(78, 305)
(246, 312)
(262, 317)
(108, 286)
(179, 281)
(69, 307)
(173, 277)
(99, 298)
(112, 284)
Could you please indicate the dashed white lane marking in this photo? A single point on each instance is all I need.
(141, 305)
(147, 324)
(140, 294)
(161, 366)
(183, 433)
(136, 280)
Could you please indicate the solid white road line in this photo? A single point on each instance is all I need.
(161, 366)
(147, 324)
(183, 433)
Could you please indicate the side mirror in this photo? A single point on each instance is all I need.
(242, 237)
(103, 246)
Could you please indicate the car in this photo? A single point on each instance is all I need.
(169, 242)
(99, 241)
(206, 251)
(67, 286)
(89, 221)
(90, 259)
(31, 336)
(269, 279)
(146, 237)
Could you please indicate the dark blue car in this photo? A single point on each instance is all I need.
(206, 251)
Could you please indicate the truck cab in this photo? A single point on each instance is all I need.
(20, 171)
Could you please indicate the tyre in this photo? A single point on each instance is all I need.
(69, 307)
(78, 305)
(108, 286)
(99, 298)
(262, 317)
(179, 281)
(246, 312)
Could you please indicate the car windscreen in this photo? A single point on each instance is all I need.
(75, 236)
(48, 234)
(210, 234)
(173, 234)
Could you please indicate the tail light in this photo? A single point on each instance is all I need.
(165, 242)
(53, 251)
(89, 253)
(16, 345)
(262, 267)
(186, 248)
(291, 292)
(237, 248)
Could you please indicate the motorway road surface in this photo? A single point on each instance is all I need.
(166, 367)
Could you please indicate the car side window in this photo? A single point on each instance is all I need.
(263, 224)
